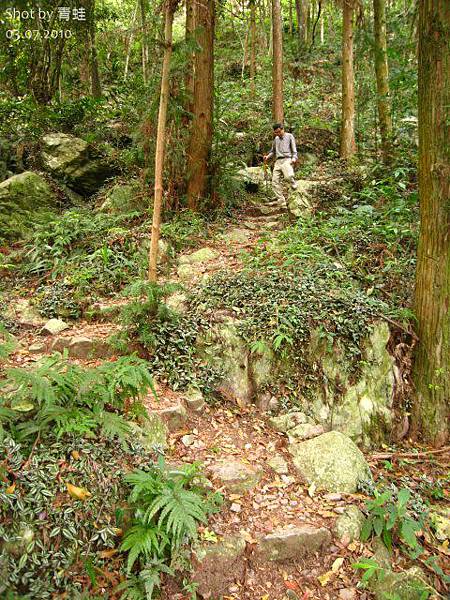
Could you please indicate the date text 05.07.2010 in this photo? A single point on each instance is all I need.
(37, 34)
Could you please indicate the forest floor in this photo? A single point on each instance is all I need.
(243, 435)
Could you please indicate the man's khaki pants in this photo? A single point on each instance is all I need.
(283, 168)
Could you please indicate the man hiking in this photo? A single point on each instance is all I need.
(285, 152)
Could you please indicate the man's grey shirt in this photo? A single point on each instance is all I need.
(284, 147)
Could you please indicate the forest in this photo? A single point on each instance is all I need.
(224, 299)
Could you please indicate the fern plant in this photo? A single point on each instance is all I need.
(169, 506)
(70, 398)
(138, 317)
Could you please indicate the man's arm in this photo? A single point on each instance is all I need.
(294, 149)
(271, 153)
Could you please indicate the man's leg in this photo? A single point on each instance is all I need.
(288, 172)
(277, 182)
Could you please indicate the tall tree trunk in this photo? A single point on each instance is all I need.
(160, 139)
(291, 26)
(348, 144)
(305, 13)
(96, 88)
(432, 298)
(277, 63)
(252, 48)
(143, 7)
(322, 28)
(382, 76)
(189, 37)
(200, 142)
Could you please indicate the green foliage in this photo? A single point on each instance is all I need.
(169, 506)
(391, 519)
(372, 571)
(55, 395)
(50, 540)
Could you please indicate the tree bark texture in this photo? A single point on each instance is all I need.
(348, 144)
(160, 140)
(200, 142)
(252, 48)
(277, 63)
(432, 296)
(190, 37)
(382, 77)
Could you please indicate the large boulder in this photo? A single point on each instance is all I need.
(244, 373)
(253, 178)
(363, 412)
(70, 158)
(332, 462)
(21, 196)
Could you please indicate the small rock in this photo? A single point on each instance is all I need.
(188, 440)
(177, 302)
(278, 464)
(36, 348)
(285, 544)
(286, 422)
(347, 594)
(54, 326)
(194, 400)
(81, 347)
(236, 476)
(440, 518)
(174, 416)
(235, 507)
(305, 431)
(152, 433)
(200, 256)
(61, 343)
(349, 523)
(186, 272)
(236, 236)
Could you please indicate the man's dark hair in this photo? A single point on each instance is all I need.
(278, 126)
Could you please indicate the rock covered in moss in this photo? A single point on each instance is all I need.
(331, 462)
(21, 196)
(69, 157)
(54, 326)
(349, 524)
(199, 256)
(406, 585)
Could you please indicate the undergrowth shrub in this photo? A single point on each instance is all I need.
(54, 543)
(168, 507)
(55, 395)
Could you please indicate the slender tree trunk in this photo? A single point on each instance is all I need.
(277, 63)
(382, 76)
(143, 7)
(160, 140)
(252, 48)
(130, 43)
(200, 142)
(348, 144)
(298, 12)
(432, 297)
(322, 28)
(189, 36)
(96, 88)
(291, 26)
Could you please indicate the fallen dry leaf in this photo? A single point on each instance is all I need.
(77, 492)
